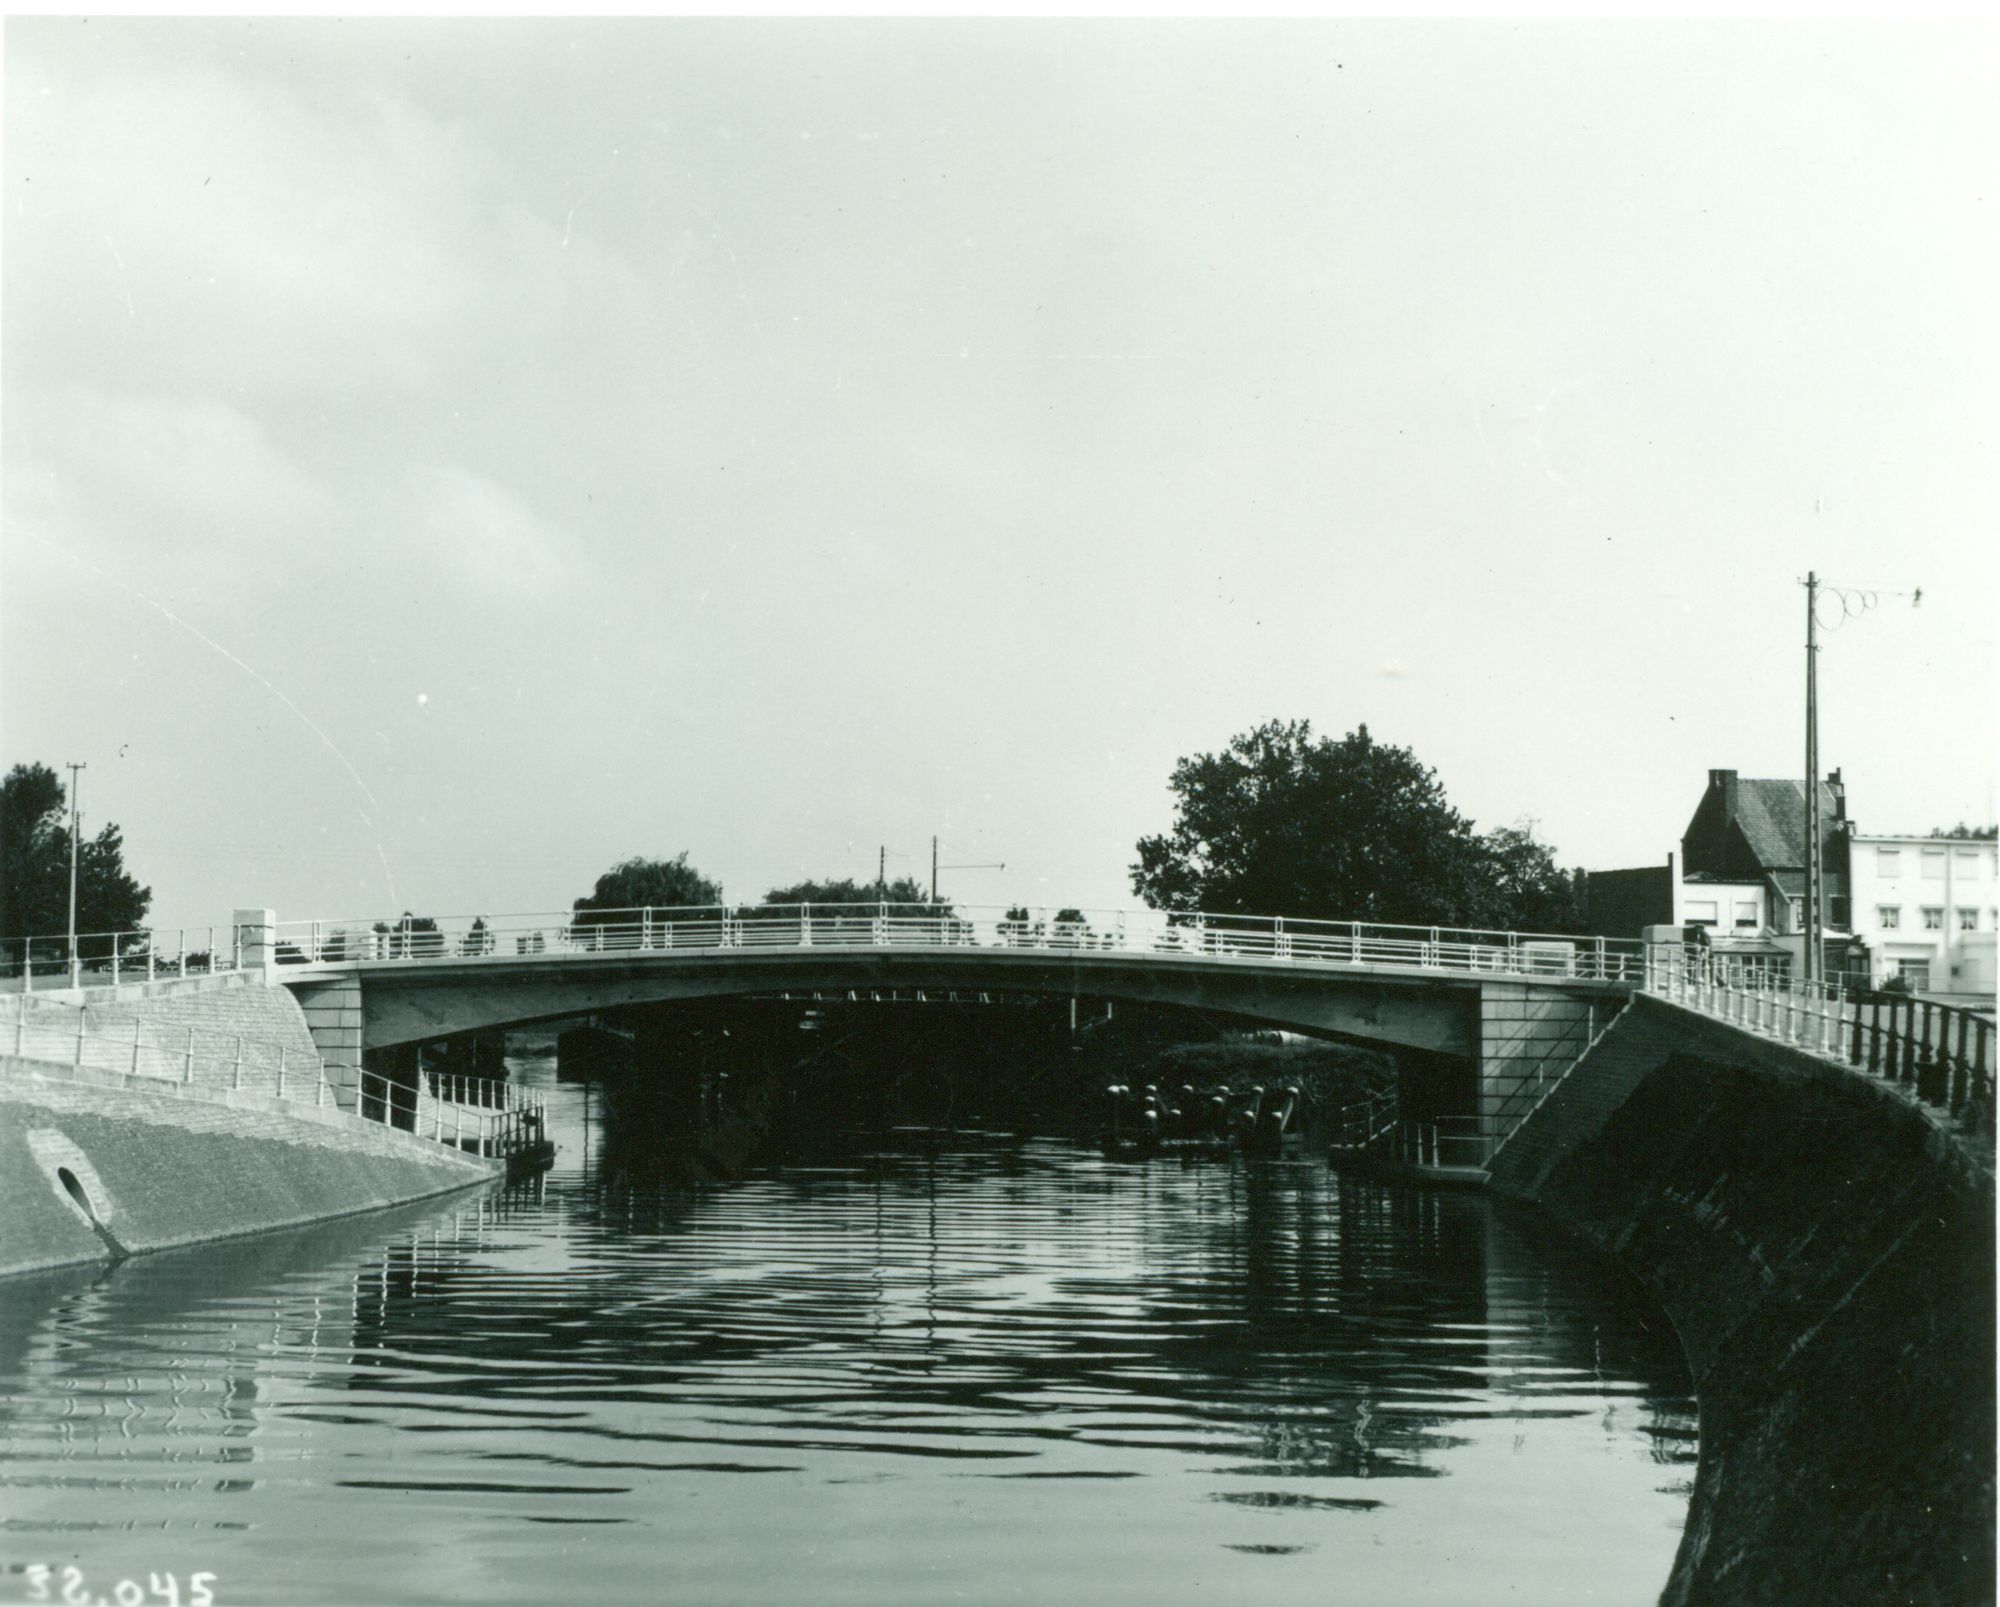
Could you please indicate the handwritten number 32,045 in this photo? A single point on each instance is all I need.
(127, 1592)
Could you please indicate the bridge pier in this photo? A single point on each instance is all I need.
(684, 1082)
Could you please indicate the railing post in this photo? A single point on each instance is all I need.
(27, 965)
(21, 1031)
(79, 1036)
(187, 1070)
(237, 1080)
(114, 959)
(281, 1066)
(136, 1028)
(151, 949)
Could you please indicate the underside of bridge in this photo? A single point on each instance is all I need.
(411, 1003)
(1513, 1036)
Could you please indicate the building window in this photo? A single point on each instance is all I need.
(1888, 916)
(1840, 912)
(1746, 913)
(1966, 863)
(1933, 918)
(1968, 920)
(1933, 864)
(1888, 862)
(1702, 912)
(1798, 915)
(1917, 973)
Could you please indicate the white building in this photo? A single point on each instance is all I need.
(1927, 908)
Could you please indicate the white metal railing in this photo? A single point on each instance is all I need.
(1942, 1053)
(205, 1064)
(143, 955)
(1443, 1141)
(1286, 939)
(1815, 1015)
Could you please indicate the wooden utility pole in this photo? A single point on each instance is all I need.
(1813, 962)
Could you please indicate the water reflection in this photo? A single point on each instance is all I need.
(995, 1372)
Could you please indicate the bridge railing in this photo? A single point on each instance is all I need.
(1942, 1053)
(1443, 1141)
(143, 955)
(803, 926)
(202, 1064)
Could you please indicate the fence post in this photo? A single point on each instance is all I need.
(27, 965)
(281, 1068)
(236, 1080)
(21, 1030)
(79, 1035)
(187, 1071)
(151, 949)
(114, 959)
(135, 1045)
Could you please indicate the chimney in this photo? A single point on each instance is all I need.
(1838, 788)
(1724, 782)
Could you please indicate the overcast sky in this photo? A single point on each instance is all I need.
(443, 459)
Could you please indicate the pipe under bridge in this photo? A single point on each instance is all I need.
(1517, 1008)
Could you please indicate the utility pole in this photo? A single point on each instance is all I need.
(1813, 941)
(882, 872)
(933, 867)
(75, 826)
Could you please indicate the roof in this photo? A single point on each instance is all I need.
(1772, 817)
(1750, 827)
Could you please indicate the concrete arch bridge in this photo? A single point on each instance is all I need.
(1516, 1008)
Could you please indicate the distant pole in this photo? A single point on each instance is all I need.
(933, 870)
(75, 825)
(1812, 954)
(882, 872)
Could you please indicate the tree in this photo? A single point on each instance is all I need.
(1964, 833)
(903, 890)
(34, 866)
(644, 884)
(1526, 891)
(1284, 823)
(414, 936)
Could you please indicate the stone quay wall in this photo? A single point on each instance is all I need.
(1824, 1245)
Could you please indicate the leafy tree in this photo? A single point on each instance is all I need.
(903, 890)
(644, 884)
(416, 936)
(1285, 823)
(1526, 891)
(34, 865)
(478, 939)
(1964, 833)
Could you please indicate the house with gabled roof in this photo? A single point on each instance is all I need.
(1922, 912)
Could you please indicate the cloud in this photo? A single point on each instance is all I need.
(488, 535)
(261, 237)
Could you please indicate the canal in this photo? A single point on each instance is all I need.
(907, 1373)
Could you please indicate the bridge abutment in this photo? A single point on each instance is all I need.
(1529, 1035)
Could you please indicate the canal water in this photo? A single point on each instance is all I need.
(912, 1374)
